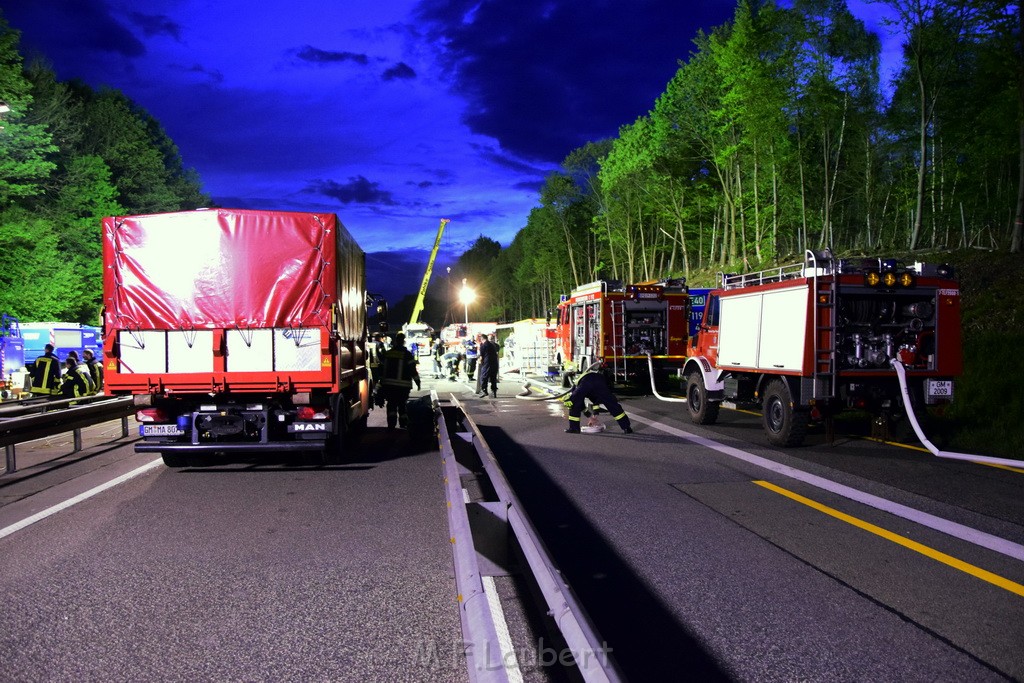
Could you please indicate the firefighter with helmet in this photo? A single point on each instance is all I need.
(77, 381)
(45, 373)
(398, 372)
(593, 386)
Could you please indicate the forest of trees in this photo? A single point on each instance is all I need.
(69, 156)
(777, 135)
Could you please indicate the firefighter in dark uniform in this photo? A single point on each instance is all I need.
(472, 354)
(95, 369)
(77, 381)
(398, 372)
(45, 373)
(593, 386)
(375, 352)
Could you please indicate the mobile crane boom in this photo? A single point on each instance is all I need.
(418, 308)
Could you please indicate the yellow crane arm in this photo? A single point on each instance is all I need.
(418, 308)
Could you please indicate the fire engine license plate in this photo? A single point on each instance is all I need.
(161, 430)
(940, 388)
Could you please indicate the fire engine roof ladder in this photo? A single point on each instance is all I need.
(826, 301)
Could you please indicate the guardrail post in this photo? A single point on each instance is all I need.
(11, 466)
(124, 426)
(78, 439)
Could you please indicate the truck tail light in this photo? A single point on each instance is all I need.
(152, 415)
(311, 413)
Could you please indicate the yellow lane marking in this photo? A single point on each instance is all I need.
(936, 555)
(1018, 470)
(1008, 468)
(912, 447)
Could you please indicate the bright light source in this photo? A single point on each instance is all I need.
(466, 296)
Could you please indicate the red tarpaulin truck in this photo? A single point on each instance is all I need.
(236, 330)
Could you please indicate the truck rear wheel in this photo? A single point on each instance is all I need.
(702, 411)
(784, 424)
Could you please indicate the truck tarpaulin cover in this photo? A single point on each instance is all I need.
(226, 268)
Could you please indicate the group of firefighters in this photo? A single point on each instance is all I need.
(394, 371)
(80, 377)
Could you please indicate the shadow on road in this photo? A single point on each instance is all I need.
(647, 641)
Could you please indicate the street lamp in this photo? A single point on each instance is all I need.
(466, 296)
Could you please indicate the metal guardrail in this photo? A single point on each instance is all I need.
(36, 420)
(589, 651)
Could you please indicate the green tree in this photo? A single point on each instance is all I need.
(44, 285)
(145, 165)
(24, 145)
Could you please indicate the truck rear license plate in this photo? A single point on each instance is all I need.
(161, 430)
(940, 388)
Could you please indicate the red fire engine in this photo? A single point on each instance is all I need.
(811, 339)
(621, 326)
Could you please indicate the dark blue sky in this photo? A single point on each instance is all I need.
(392, 114)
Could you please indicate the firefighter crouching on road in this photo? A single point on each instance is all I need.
(45, 373)
(397, 376)
(592, 385)
(77, 381)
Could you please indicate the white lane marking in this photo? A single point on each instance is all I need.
(508, 653)
(43, 514)
(964, 533)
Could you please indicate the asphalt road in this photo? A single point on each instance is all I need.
(238, 572)
(691, 568)
(695, 559)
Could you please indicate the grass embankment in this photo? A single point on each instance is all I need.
(987, 414)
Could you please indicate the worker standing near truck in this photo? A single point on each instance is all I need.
(399, 373)
(95, 369)
(46, 373)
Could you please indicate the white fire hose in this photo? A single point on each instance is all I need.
(901, 374)
(650, 370)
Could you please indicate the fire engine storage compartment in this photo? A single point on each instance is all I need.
(235, 319)
(765, 329)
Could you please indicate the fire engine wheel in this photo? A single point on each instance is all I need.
(702, 411)
(784, 424)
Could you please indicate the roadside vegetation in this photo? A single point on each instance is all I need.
(70, 155)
